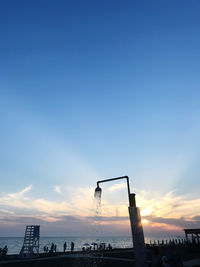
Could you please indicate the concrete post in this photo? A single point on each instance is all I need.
(137, 233)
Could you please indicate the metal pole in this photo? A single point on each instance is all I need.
(118, 178)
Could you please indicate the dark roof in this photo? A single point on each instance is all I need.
(192, 231)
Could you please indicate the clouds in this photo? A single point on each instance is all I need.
(74, 210)
(3, 211)
(181, 222)
(168, 205)
(165, 227)
(76, 201)
(57, 189)
(117, 187)
(18, 199)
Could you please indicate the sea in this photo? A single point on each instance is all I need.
(14, 244)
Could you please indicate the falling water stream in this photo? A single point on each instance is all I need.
(97, 196)
(97, 199)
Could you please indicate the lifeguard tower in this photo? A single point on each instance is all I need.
(31, 241)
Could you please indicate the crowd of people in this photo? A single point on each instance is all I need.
(53, 248)
(93, 246)
(160, 258)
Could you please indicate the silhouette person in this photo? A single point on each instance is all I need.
(72, 246)
(65, 246)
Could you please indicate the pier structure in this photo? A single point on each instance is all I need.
(192, 235)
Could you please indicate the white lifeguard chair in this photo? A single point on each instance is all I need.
(31, 241)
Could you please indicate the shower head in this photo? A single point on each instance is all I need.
(98, 191)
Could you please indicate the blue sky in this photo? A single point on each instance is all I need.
(98, 89)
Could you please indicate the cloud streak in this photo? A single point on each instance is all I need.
(161, 213)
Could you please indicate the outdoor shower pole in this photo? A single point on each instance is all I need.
(136, 223)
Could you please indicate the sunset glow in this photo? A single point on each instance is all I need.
(93, 90)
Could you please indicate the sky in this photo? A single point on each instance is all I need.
(96, 89)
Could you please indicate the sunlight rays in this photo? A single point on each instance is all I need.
(169, 212)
